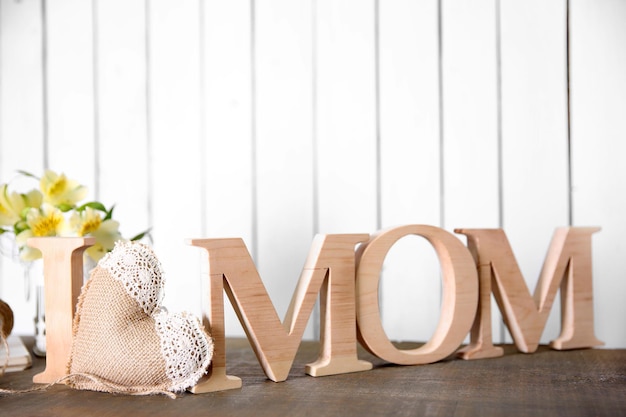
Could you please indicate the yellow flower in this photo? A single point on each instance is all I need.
(96, 252)
(107, 234)
(58, 190)
(84, 222)
(26, 252)
(46, 221)
(10, 207)
(89, 222)
(53, 211)
(13, 204)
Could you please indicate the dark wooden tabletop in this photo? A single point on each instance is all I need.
(589, 382)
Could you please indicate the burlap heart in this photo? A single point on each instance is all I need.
(123, 341)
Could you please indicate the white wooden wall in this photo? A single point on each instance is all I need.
(276, 120)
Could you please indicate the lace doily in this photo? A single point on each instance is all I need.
(137, 267)
(185, 346)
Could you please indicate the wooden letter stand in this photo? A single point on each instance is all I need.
(63, 279)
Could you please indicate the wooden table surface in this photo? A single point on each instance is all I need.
(589, 382)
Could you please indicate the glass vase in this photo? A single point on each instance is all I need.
(33, 276)
(35, 270)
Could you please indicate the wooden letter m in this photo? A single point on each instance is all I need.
(328, 270)
(567, 264)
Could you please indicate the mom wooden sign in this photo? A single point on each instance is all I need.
(344, 270)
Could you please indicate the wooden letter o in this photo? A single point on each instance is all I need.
(460, 295)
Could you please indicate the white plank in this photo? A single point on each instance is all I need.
(122, 119)
(21, 130)
(470, 108)
(227, 123)
(227, 119)
(201, 178)
(534, 134)
(345, 117)
(175, 148)
(409, 132)
(70, 90)
(598, 109)
(284, 148)
(469, 114)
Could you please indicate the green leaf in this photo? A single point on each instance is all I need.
(96, 205)
(28, 174)
(24, 212)
(141, 235)
(19, 227)
(109, 214)
(64, 207)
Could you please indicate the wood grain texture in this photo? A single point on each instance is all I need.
(283, 140)
(598, 133)
(329, 269)
(470, 192)
(63, 279)
(226, 77)
(534, 133)
(410, 287)
(21, 128)
(389, 108)
(459, 301)
(577, 383)
(567, 266)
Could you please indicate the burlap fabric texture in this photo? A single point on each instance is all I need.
(123, 341)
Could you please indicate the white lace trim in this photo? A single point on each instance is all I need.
(137, 267)
(185, 346)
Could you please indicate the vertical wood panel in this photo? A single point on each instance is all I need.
(346, 116)
(534, 134)
(227, 127)
(345, 125)
(175, 153)
(260, 120)
(410, 181)
(227, 118)
(470, 194)
(284, 158)
(470, 114)
(598, 112)
(121, 118)
(70, 90)
(21, 128)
